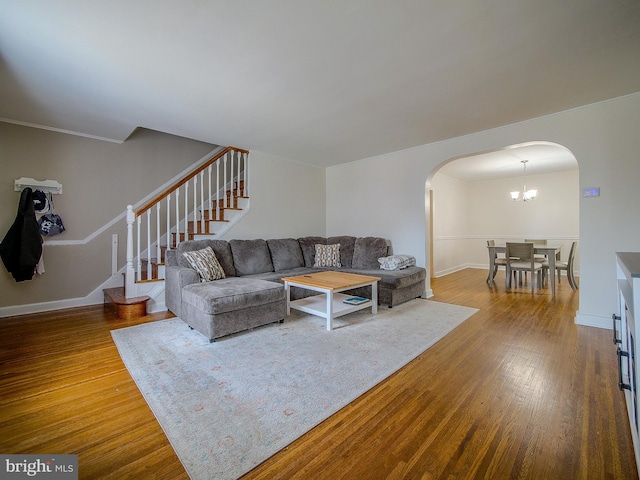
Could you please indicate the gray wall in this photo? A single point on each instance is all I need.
(99, 179)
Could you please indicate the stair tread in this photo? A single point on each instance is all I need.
(117, 296)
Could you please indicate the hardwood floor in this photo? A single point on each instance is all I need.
(516, 391)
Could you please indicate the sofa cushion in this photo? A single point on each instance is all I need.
(327, 255)
(206, 264)
(221, 249)
(308, 247)
(251, 256)
(347, 244)
(285, 254)
(367, 251)
(231, 294)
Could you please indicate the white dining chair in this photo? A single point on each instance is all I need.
(497, 261)
(539, 241)
(566, 266)
(519, 257)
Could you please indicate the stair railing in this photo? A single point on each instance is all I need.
(181, 211)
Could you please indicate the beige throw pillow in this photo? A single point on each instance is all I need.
(327, 255)
(206, 264)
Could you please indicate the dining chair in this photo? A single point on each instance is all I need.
(497, 261)
(519, 257)
(539, 258)
(567, 266)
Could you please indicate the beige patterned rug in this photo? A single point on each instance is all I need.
(229, 405)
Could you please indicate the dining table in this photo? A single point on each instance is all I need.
(552, 252)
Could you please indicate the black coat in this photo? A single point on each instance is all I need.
(21, 247)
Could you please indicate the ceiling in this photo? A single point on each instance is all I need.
(319, 82)
(541, 158)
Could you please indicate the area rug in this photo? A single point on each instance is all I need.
(229, 405)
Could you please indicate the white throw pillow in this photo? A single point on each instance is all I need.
(206, 264)
(327, 255)
(396, 262)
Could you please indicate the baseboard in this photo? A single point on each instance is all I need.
(447, 271)
(96, 297)
(593, 321)
(26, 309)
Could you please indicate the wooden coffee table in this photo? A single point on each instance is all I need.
(330, 304)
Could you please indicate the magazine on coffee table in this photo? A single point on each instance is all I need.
(355, 300)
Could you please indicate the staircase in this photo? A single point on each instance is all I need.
(205, 203)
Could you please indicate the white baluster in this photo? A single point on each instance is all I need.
(231, 186)
(177, 217)
(186, 211)
(158, 252)
(130, 280)
(138, 253)
(239, 161)
(246, 174)
(195, 204)
(210, 192)
(149, 244)
(218, 189)
(224, 186)
(168, 231)
(202, 205)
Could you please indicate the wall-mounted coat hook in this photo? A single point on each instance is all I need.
(44, 185)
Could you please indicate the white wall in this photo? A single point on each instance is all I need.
(386, 194)
(466, 215)
(451, 224)
(287, 200)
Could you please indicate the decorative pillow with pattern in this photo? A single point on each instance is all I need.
(327, 255)
(396, 262)
(206, 264)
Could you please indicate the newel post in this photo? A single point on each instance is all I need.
(130, 289)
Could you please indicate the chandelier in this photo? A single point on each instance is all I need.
(526, 194)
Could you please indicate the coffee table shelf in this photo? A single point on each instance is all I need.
(330, 303)
(317, 305)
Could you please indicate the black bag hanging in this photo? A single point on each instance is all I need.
(40, 201)
(51, 223)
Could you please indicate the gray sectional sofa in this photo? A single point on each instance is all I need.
(252, 293)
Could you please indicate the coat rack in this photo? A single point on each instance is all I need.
(44, 185)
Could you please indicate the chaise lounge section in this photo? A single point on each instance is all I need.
(252, 294)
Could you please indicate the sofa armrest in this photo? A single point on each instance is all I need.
(176, 278)
(170, 258)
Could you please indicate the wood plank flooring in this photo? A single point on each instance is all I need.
(516, 391)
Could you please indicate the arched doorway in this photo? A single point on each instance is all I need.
(467, 201)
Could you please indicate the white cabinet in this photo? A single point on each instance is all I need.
(626, 329)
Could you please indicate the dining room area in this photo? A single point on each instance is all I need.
(514, 213)
(536, 258)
